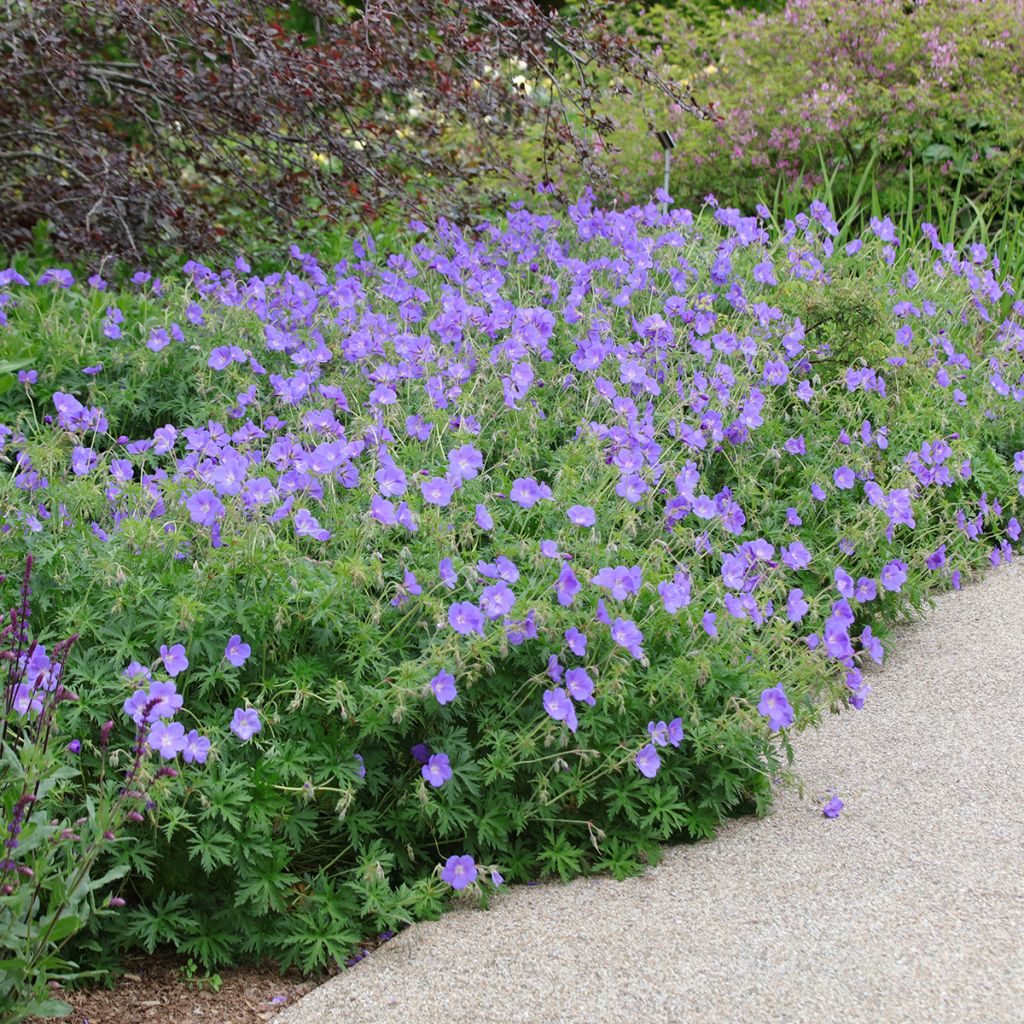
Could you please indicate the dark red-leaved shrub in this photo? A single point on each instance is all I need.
(124, 122)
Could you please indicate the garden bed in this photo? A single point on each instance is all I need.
(513, 554)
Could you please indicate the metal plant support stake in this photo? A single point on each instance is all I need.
(667, 144)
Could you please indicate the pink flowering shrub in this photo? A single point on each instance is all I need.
(514, 552)
(862, 85)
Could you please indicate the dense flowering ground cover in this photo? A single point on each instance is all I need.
(515, 553)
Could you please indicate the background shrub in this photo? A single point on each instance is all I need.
(167, 126)
(886, 95)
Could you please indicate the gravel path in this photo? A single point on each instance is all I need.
(907, 908)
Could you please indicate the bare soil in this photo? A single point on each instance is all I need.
(156, 989)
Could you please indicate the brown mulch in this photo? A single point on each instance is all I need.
(155, 989)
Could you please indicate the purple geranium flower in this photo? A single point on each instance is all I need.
(796, 555)
(632, 488)
(844, 582)
(133, 705)
(465, 463)
(796, 606)
(836, 637)
(626, 634)
(196, 748)
(245, 723)
(577, 641)
(465, 618)
(306, 525)
(526, 492)
(204, 507)
(872, 645)
(437, 491)
(580, 685)
(555, 669)
(734, 571)
(675, 732)
(459, 872)
(83, 460)
(443, 685)
(237, 652)
(392, 481)
(567, 586)
(582, 515)
(658, 731)
(483, 518)
(832, 808)
(675, 593)
(775, 706)
(448, 575)
(437, 771)
(620, 581)
(894, 575)
(843, 478)
(497, 600)
(167, 700)
(174, 659)
(558, 705)
(648, 761)
(167, 739)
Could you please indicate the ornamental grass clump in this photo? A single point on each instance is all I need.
(518, 552)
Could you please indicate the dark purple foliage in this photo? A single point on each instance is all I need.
(123, 122)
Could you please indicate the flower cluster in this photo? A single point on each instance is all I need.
(155, 703)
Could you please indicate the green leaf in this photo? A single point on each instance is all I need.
(50, 1009)
(937, 151)
(65, 927)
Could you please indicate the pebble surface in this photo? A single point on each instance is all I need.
(908, 907)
